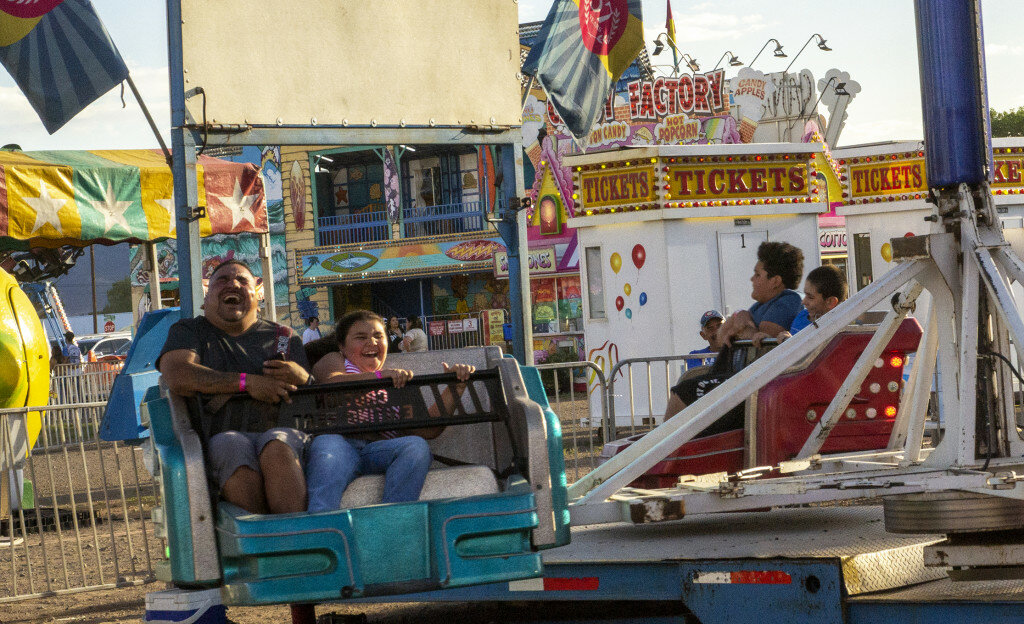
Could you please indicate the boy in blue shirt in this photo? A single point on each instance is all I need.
(777, 272)
(824, 289)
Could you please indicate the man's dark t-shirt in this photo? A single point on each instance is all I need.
(244, 353)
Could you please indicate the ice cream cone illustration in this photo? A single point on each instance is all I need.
(747, 128)
(751, 89)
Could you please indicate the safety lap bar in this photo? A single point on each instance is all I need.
(344, 407)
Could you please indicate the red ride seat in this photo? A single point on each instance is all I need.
(784, 405)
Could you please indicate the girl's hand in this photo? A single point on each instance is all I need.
(462, 371)
(398, 376)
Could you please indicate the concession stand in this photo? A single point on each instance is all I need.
(885, 192)
(667, 232)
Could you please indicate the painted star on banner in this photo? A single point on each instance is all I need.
(168, 205)
(239, 205)
(46, 207)
(112, 210)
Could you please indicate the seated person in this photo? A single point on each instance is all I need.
(403, 457)
(824, 289)
(777, 272)
(710, 321)
(228, 350)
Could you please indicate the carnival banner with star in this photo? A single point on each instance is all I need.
(54, 198)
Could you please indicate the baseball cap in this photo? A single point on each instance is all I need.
(709, 316)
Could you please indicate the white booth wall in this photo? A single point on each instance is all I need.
(691, 264)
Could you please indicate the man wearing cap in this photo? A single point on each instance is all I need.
(710, 321)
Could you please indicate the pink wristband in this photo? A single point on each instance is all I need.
(377, 373)
(241, 382)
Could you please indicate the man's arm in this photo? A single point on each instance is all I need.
(186, 376)
(739, 325)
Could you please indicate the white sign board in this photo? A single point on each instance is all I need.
(347, 62)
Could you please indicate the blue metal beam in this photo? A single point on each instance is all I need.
(186, 193)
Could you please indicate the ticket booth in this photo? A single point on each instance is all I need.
(885, 191)
(668, 232)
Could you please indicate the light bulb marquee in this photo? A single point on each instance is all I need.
(902, 176)
(696, 182)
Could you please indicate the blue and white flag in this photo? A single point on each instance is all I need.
(581, 50)
(59, 54)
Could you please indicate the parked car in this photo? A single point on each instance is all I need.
(105, 347)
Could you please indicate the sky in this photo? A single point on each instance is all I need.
(873, 40)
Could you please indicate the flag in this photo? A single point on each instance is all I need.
(670, 28)
(59, 54)
(581, 50)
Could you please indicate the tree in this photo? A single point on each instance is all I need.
(119, 297)
(1008, 123)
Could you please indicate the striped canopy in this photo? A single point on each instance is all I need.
(54, 198)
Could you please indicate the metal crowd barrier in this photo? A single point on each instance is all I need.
(649, 417)
(582, 435)
(82, 383)
(74, 511)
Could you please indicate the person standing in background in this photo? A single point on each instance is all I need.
(415, 339)
(72, 354)
(395, 335)
(312, 330)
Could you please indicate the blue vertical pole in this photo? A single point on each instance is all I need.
(186, 194)
(954, 101)
(508, 227)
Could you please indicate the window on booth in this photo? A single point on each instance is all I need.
(595, 283)
(545, 305)
(862, 258)
(359, 188)
(570, 304)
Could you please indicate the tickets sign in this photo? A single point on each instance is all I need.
(693, 182)
(1007, 172)
(888, 178)
(612, 188)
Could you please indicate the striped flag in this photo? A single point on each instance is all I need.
(581, 50)
(670, 28)
(59, 54)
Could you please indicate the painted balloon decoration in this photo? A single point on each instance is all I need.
(627, 288)
(629, 313)
(643, 299)
(887, 252)
(616, 262)
(639, 256)
(619, 303)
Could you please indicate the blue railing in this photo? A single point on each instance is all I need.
(363, 227)
(444, 219)
(368, 227)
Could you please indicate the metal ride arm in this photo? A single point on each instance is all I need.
(627, 466)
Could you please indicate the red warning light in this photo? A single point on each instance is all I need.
(896, 361)
(890, 411)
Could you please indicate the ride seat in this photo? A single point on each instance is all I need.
(475, 446)
(447, 482)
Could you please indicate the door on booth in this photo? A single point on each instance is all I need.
(737, 255)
